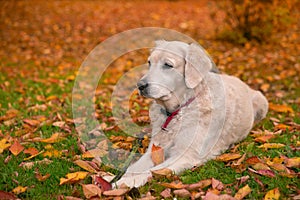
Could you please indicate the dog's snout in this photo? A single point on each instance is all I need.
(142, 85)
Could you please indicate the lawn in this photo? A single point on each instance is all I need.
(44, 43)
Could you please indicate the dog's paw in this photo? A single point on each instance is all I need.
(134, 180)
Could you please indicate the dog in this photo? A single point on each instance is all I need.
(197, 114)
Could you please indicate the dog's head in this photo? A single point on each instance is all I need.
(174, 67)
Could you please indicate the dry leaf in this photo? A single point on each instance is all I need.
(161, 173)
(32, 122)
(216, 184)
(19, 190)
(102, 183)
(40, 177)
(157, 154)
(85, 165)
(56, 137)
(12, 113)
(174, 185)
(182, 193)
(280, 108)
(282, 127)
(7, 195)
(272, 194)
(259, 166)
(266, 172)
(293, 162)
(4, 144)
(91, 190)
(264, 138)
(31, 151)
(271, 146)
(166, 193)
(29, 165)
(16, 148)
(253, 160)
(244, 191)
(73, 177)
(115, 192)
(228, 157)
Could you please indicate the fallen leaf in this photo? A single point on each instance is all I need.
(19, 190)
(157, 154)
(29, 165)
(7, 195)
(182, 193)
(253, 160)
(102, 183)
(266, 172)
(280, 108)
(32, 122)
(91, 190)
(4, 144)
(16, 148)
(259, 166)
(40, 177)
(166, 193)
(12, 113)
(85, 165)
(273, 194)
(292, 162)
(31, 151)
(264, 138)
(228, 157)
(283, 127)
(115, 192)
(241, 193)
(216, 184)
(174, 185)
(162, 173)
(271, 146)
(73, 177)
(56, 137)
(201, 184)
(59, 124)
(52, 153)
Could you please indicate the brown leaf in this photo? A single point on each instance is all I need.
(182, 193)
(264, 138)
(91, 190)
(10, 114)
(40, 177)
(32, 122)
(7, 195)
(157, 154)
(85, 165)
(115, 192)
(16, 148)
(31, 151)
(216, 184)
(162, 173)
(166, 193)
(259, 166)
(253, 160)
(228, 157)
(266, 172)
(241, 193)
(273, 194)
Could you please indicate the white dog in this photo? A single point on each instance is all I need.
(197, 113)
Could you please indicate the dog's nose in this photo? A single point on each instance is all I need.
(142, 85)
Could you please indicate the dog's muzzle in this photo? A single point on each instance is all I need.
(142, 86)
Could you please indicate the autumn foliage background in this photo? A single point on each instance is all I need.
(43, 43)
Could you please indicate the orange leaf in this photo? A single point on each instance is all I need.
(40, 177)
(115, 192)
(228, 157)
(157, 154)
(16, 148)
(264, 138)
(244, 191)
(282, 127)
(272, 194)
(19, 190)
(53, 139)
(293, 162)
(174, 185)
(32, 122)
(280, 108)
(271, 146)
(31, 151)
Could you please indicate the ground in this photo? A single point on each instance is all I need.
(43, 44)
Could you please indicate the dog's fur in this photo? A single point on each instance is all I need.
(223, 112)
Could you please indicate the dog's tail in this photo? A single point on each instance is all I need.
(260, 106)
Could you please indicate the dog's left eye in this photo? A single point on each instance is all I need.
(168, 65)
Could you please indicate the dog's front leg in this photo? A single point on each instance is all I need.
(138, 173)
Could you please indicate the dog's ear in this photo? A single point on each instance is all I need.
(197, 65)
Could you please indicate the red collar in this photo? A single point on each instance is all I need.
(173, 114)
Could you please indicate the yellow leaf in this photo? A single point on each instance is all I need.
(73, 177)
(272, 194)
(280, 108)
(4, 144)
(19, 190)
(228, 156)
(85, 165)
(271, 146)
(52, 153)
(244, 191)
